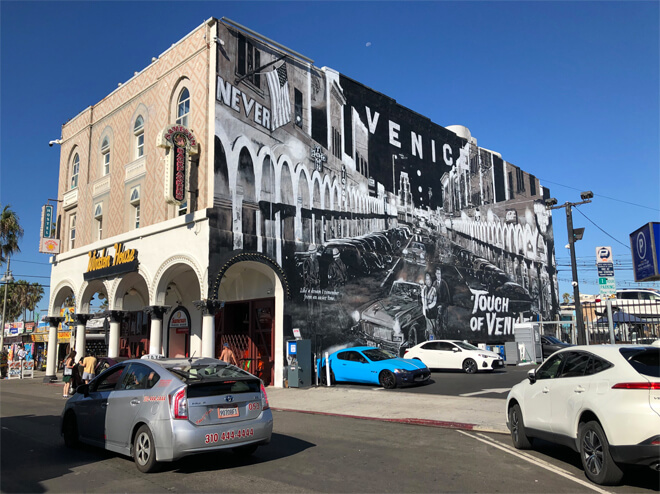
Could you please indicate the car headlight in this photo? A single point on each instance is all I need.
(401, 371)
(356, 316)
(483, 355)
(396, 329)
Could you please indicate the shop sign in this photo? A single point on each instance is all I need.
(180, 320)
(102, 265)
(49, 246)
(182, 144)
(47, 220)
(319, 158)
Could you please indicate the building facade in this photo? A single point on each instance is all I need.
(232, 191)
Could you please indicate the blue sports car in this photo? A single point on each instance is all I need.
(368, 364)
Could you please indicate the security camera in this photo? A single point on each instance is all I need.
(56, 141)
(219, 41)
(574, 283)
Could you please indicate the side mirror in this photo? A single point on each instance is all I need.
(455, 350)
(531, 375)
(83, 389)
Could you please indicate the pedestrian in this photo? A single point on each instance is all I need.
(69, 363)
(227, 355)
(429, 305)
(444, 299)
(21, 354)
(89, 364)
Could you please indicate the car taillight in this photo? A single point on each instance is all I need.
(179, 404)
(646, 385)
(264, 398)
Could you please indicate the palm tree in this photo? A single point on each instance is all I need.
(35, 294)
(20, 296)
(10, 233)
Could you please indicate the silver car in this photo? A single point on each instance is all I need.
(158, 410)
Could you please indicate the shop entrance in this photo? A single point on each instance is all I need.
(134, 335)
(248, 327)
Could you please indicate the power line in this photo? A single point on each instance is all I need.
(578, 210)
(601, 195)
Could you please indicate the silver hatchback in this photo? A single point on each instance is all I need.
(158, 410)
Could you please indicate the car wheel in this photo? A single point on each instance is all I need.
(469, 366)
(245, 451)
(70, 431)
(517, 426)
(597, 462)
(324, 377)
(144, 450)
(387, 380)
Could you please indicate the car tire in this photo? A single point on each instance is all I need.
(324, 378)
(517, 426)
(470, 366)
(144, 450)
(387, 379)
(245, 451)
(597, 462)
(70, 431)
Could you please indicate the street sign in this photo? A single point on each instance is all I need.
(645, 247)
(605, 266)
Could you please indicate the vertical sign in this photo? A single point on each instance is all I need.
(605, 265)
(47, 220)
(645, 247)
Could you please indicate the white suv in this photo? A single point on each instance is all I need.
(601, 400)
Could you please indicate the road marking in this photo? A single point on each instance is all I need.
(536, 461)
(486, 391)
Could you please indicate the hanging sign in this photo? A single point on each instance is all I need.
(181, 143)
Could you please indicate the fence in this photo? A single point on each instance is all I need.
(633, 321)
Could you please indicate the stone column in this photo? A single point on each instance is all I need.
(156, 331)
(115, 317)
(81, 322)
(51, 360)
(209, 309)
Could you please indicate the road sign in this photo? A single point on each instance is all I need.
(605, 266)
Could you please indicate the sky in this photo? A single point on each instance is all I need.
(566, 90)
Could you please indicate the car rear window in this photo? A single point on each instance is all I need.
(198, 372)
(644, 360)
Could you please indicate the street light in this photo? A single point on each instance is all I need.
(573, 236)
(395, 156)
(6, 279)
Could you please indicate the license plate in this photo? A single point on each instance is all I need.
(227, 412)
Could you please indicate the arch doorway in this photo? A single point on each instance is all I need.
(248, 320)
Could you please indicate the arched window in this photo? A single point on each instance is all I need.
(98, 217)
(138, 131)
(105, 155)
(135, 202)
(75, 169)
(183, 108)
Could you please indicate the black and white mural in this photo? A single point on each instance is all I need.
(391, 229)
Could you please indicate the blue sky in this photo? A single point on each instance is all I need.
(568, 91)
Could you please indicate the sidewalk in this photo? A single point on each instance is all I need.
(467, 413)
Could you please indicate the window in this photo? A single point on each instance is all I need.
(550, 368)
(138, 131)
(249, 59)
(299, 108)
(105, 155)
(72, 232)
(576, 364)
(139, 377)
(98, 216)
(183, 108)
(108, 382)
(135, 202)
(336, 142)
(75, 168)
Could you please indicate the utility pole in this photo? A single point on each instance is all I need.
(574, 234)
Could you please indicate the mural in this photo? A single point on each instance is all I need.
(391, 230)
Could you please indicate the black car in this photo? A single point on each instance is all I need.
(550, 344)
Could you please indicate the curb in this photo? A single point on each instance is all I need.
(411, 421)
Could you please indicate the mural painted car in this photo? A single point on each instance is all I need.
(367, 364)
(160, 410)
(415, 253)
(393, 323)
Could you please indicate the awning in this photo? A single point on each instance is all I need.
(620, 317)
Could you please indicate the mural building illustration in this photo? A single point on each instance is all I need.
(389, 229)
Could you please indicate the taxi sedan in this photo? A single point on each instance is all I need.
(159, 410)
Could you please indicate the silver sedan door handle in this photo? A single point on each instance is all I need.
(546, 390)
(135, 402)
(579, 389)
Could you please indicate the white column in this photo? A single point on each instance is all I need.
(156, 336)
(51, 360)
(208, 335)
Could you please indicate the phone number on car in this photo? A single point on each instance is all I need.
(228, 436)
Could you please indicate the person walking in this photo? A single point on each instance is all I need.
(89, 364)
(227, 355)
(69, 363)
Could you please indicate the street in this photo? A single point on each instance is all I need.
(308, 453)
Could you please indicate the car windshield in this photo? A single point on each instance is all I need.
(644, 360)
(407, 290)
(376, 354)
(552, 339)
(195, 372)
(464, 345)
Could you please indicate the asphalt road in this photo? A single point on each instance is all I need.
(495, 384)
(308, 453)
